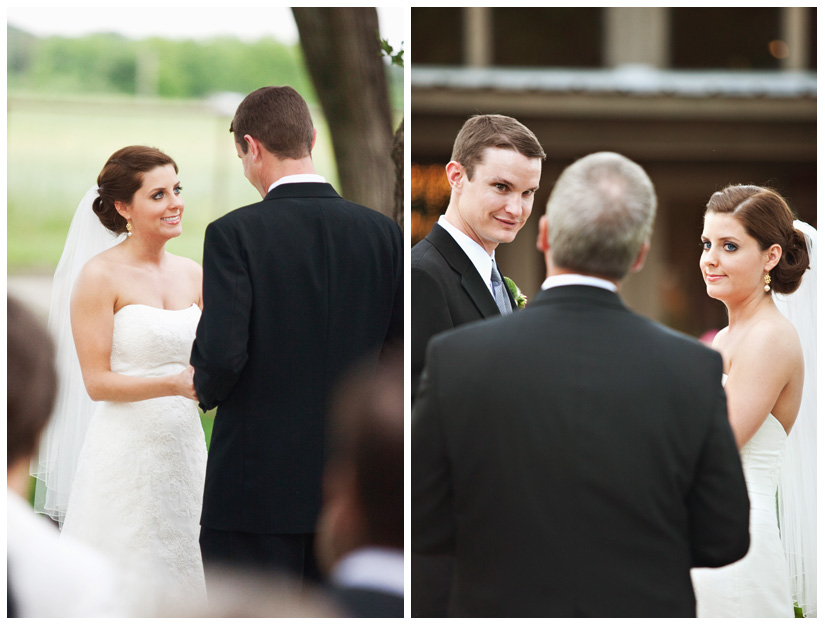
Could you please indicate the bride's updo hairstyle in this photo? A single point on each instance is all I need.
(766, 217)
(120, 178)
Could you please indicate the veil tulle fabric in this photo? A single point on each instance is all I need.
(797, 480)
(55, 464)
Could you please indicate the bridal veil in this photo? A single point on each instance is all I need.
(797, 480)
(54, 465)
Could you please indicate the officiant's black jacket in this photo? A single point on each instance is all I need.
(297, 289)
(577, 460)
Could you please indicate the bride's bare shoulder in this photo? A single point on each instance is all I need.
(101, 273)
(773, 339)
(776, 328)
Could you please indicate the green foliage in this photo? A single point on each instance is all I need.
(395, 73)
(193, 69)
(20, 47)
(155, 67)
(91, 64)
(396, 58)
(112, 64)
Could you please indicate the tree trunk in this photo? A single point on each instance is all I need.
(398, 159)
(343, 55)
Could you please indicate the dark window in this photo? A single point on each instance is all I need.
(727, 38)
(437, 35)
(521, 37)
(557, 37)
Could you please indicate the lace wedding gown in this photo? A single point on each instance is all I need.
(139, 484)
(758, 585)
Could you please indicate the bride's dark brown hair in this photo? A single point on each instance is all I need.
(766, 217)
(121, 177)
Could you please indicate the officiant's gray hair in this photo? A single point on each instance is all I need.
(599, 215)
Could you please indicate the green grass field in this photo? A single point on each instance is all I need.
(56, 148)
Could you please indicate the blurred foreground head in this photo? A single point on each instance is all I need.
(364, 476)
(32, 382)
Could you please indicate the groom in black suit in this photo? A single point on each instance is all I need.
(576, 458)
(297, 289)
(493, 174)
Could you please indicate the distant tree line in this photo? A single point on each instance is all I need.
(113, 64)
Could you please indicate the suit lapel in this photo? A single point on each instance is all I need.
(471, 281)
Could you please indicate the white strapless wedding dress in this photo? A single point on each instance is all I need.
(758, 585)
(138, 489)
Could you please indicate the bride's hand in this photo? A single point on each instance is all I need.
(184, 384)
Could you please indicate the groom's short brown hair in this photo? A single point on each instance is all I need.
(279, 118)
(493, 131)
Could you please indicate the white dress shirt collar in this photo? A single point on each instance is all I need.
(482, 261)
(375, 568)
(297, 178)
(561, 280)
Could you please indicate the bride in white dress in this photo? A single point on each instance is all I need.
(122, 467)
(753, 253)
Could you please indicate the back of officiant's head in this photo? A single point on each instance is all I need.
(32, 386)
(364, 473)
(599, 217)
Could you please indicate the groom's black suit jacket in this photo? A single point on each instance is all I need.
(577, 460)
(446, 291)
(297, 289)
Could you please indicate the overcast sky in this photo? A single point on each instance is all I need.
(183, 22)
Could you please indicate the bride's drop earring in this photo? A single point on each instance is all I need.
(128, 229)
(767, 283)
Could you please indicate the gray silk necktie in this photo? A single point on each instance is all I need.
(500, 292)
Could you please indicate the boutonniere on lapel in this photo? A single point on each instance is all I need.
(520, 298)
